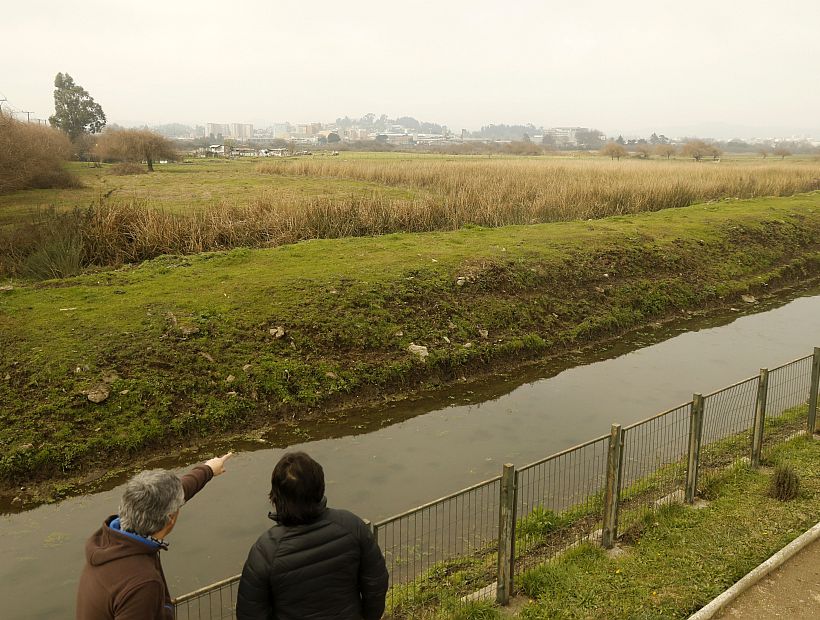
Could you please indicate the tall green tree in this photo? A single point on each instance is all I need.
(75, 111)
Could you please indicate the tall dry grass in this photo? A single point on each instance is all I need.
(59, 244)
(497, 192)
(32, 156)
(450, 195)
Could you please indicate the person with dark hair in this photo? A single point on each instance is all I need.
(123, 578)
(317, 562)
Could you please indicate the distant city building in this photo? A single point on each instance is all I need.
(564, 136)
(395, 138)
(280, 130)
(237, 131)
(241, 131)
(308, 129)
(354, 134)
(217, 129)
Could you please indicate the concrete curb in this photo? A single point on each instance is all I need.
(773, 563)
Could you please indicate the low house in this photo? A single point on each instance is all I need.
(244, 151)
(273, 152)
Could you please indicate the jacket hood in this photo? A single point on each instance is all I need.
(110, 543)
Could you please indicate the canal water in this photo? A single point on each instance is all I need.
(418, 450)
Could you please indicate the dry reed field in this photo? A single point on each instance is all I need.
(447, 195)
(518, 191)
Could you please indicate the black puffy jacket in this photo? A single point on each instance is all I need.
(331, 568)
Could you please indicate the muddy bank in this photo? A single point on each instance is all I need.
(361, 414)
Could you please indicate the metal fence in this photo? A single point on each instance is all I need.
(728, 418)
(443, 549)
(653, 470)
(214, 602)
(559, 502)
(471, 545)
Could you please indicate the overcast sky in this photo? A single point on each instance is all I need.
(682, 66)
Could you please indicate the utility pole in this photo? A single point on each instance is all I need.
(28, 115)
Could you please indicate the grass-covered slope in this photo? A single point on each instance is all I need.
(685, 556)
(184, 345)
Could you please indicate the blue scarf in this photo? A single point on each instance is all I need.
(150, 541)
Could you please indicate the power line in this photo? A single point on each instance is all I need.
(13, 111)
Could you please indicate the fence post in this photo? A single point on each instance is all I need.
(506, 534)
(695, 436)
(613, 486)
(811, 427)
(760, 416)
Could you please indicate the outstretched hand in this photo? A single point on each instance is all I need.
(217, 464)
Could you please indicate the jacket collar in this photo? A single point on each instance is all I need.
(154, 543)
(274, 517)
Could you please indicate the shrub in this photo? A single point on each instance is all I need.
(59, 256)
(127, 168)
(785, 483)
(32, 156)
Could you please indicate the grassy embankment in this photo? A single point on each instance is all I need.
(183, 344)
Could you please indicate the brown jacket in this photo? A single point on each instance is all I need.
(123, 578)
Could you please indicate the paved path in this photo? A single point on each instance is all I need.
(792, 591)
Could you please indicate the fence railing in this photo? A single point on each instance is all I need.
(471, 545)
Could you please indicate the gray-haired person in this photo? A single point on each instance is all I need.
(123, 577)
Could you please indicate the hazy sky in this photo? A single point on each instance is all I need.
(711, 66)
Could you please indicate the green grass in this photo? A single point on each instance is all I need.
(169, 333)
(437, 593)
(184, 187)
(684, 556)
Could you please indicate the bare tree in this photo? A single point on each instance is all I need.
(665, 150)
(613, 150)
(698, 149)
(135, 145)
(782, 152)
(643, 151)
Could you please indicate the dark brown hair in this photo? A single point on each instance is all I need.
(297, 487)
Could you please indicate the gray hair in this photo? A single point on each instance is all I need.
(149, 499)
